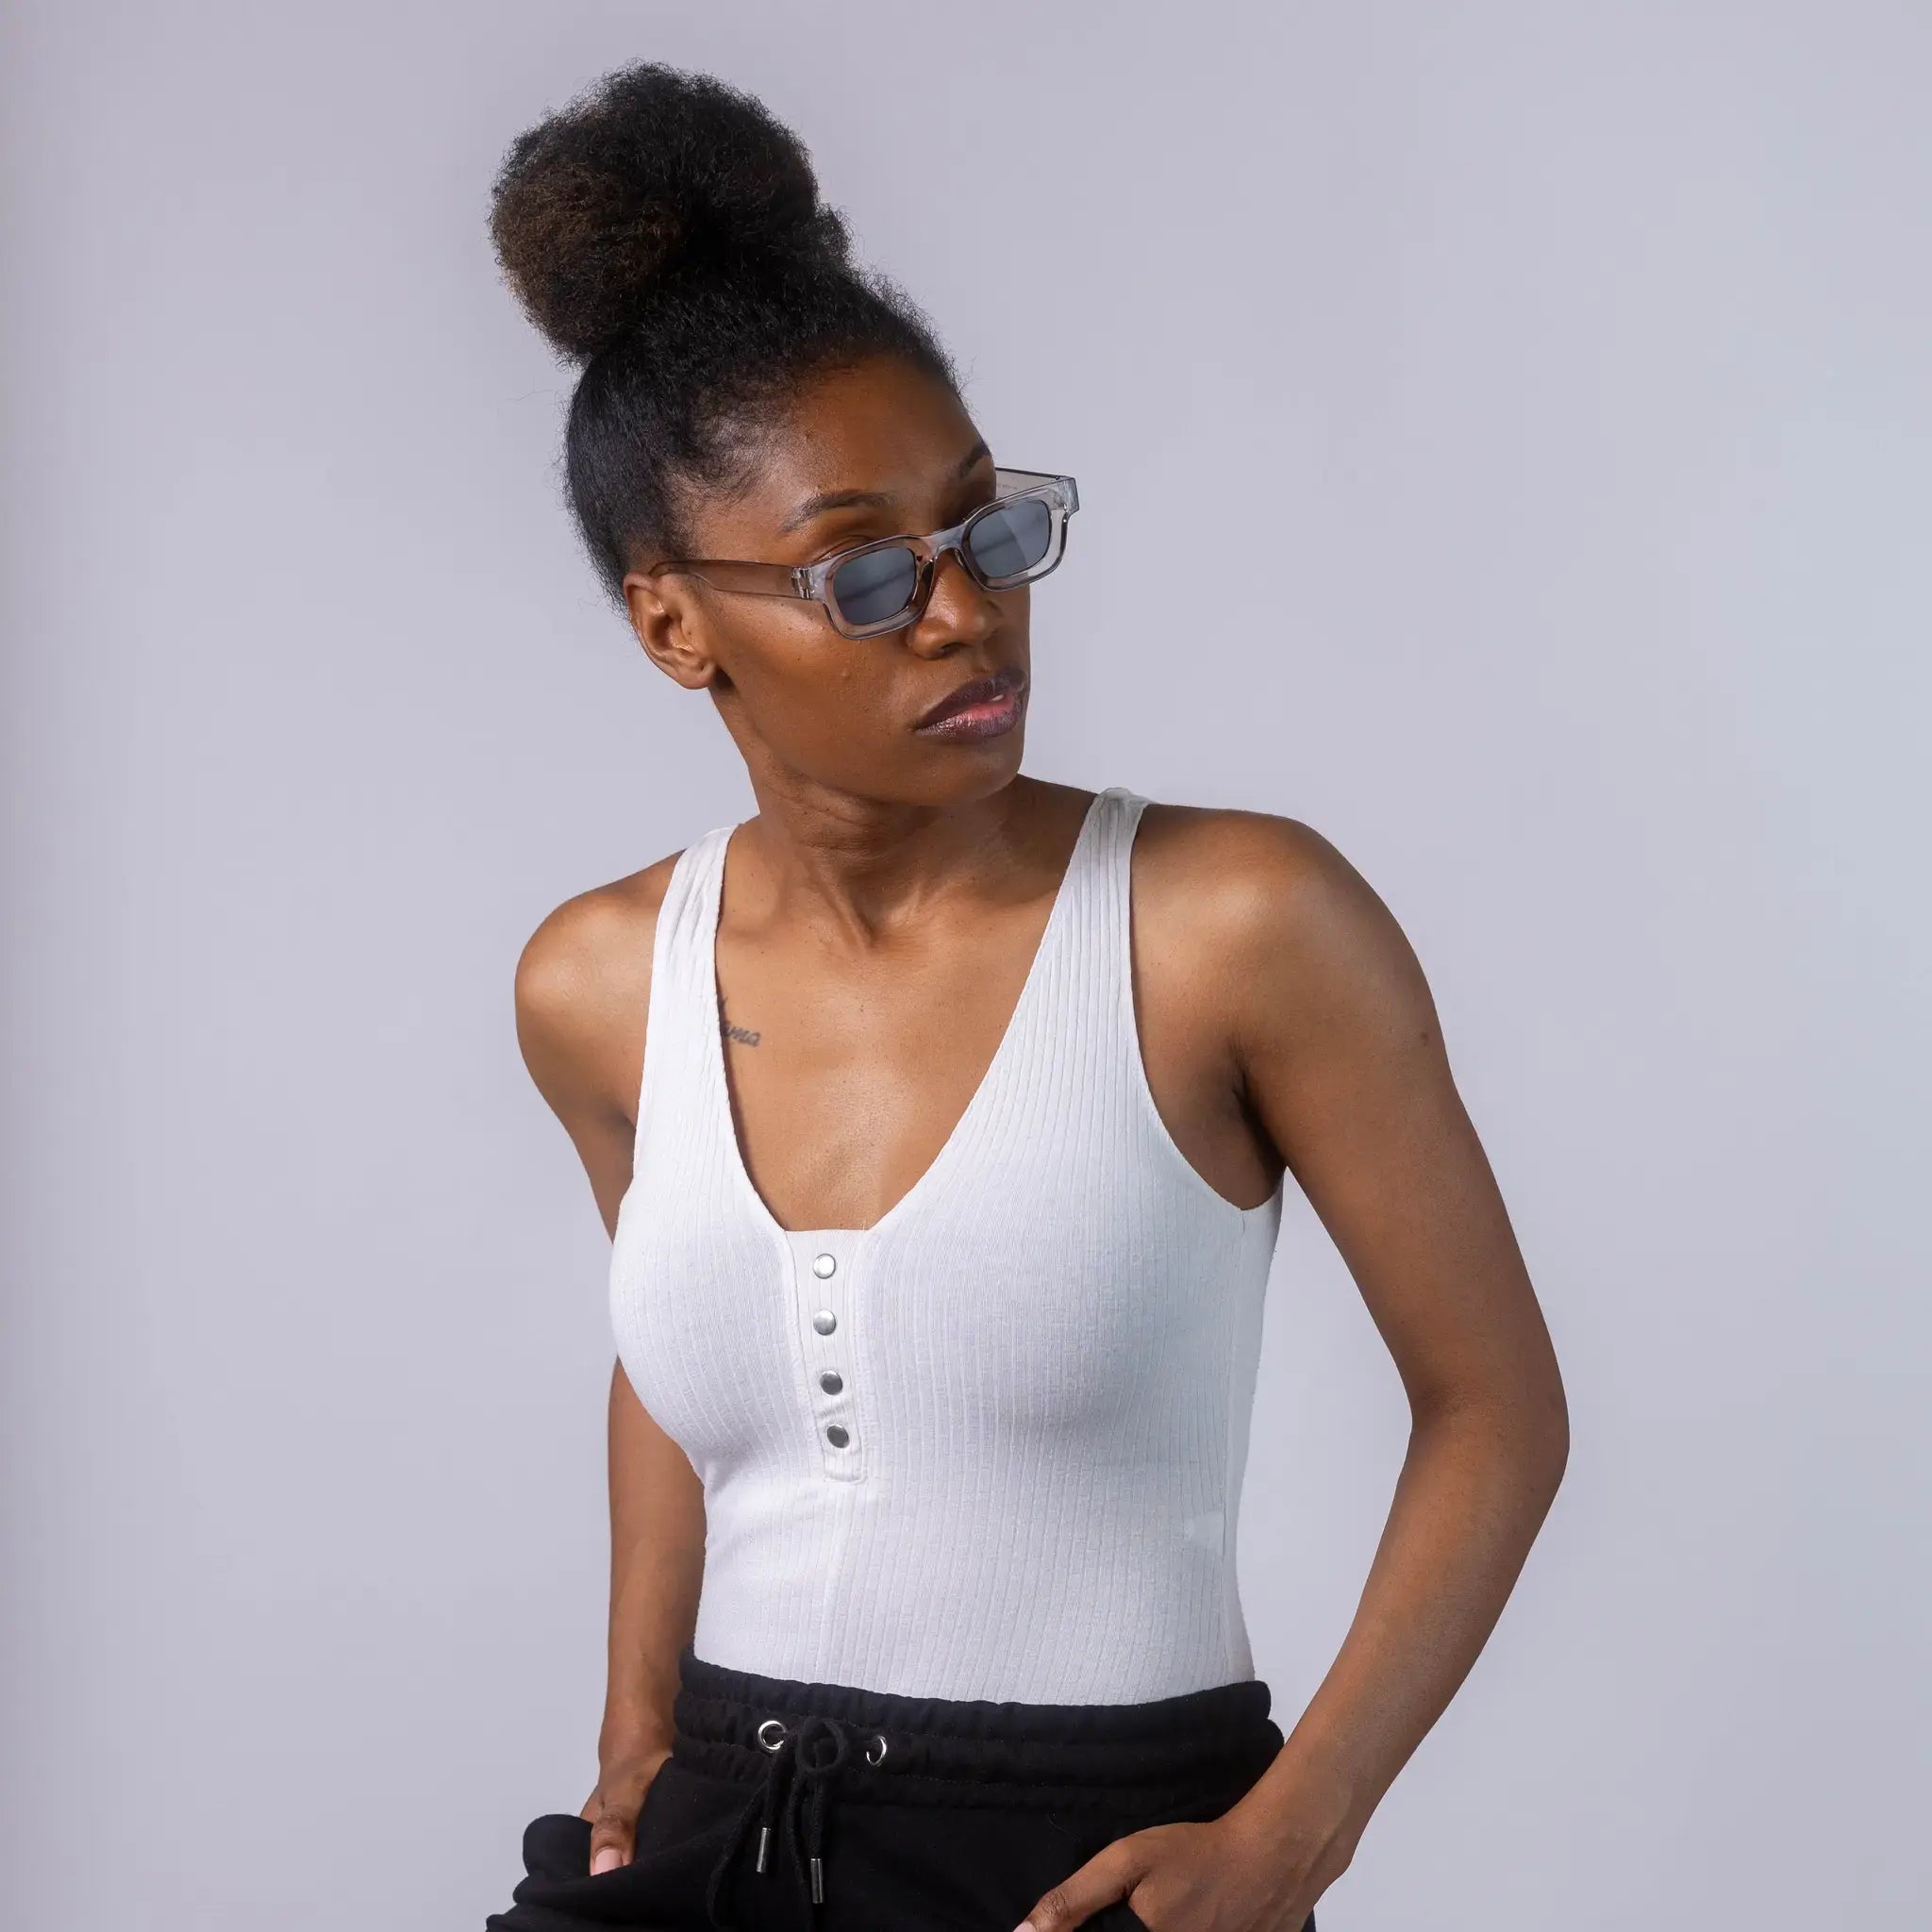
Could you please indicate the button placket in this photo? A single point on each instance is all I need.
(822, 1276)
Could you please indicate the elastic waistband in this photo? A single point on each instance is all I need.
(947, 1751)
(795, 1744)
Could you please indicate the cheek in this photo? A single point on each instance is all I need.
(803, 682)
(783, 651)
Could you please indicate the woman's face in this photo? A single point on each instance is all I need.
(803, 701)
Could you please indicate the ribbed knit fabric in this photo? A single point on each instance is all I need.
(1043, 1355)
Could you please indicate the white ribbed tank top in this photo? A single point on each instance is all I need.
(992, 1445)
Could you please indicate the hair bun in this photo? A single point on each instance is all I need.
(650, 174)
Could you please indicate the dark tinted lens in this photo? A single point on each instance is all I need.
(1014, 539)
(877, 585)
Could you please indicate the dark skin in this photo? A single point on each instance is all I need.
(880, 913)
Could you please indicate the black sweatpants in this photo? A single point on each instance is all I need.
(823, 1807)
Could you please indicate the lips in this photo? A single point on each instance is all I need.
(995, 688)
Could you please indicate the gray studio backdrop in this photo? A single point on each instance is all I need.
(1529, 406)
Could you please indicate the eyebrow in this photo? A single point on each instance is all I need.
(869, 499)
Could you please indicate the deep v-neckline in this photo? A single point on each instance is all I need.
(720, 1082)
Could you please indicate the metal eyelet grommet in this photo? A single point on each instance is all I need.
(770, 1744)
(881, 1758)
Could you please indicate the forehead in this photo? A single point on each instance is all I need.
(882, 427)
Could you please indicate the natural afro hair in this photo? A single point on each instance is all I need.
(665, 231)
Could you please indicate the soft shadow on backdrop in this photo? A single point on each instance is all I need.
(1543, 393)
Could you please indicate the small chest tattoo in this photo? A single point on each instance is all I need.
(746, 1036)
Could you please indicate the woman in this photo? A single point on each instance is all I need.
(940, 1116)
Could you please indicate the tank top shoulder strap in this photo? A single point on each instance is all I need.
(1115, 843)
(1114, 989)
(1076, 1022)
(683, 996)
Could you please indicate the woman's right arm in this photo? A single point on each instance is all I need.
(582, 992)
(657, 1563)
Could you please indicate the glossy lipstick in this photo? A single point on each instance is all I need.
(981, 708)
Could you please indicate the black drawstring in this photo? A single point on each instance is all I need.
(804, 1760)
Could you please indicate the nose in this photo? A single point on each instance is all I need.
(957, 612)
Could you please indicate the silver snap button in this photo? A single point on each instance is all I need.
(822, 1265)
(837, 1435)
(824, 1321)
(831, 1381)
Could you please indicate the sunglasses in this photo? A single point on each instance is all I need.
(885, 585)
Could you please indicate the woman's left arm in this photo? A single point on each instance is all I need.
(1338, 1044)
(1343, 1065)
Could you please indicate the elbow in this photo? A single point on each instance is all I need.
(1526, 1427)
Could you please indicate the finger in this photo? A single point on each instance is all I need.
(613, 1839)
(1111, 1874)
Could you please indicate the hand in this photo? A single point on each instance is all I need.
(613, 1807)
(1219, 1876)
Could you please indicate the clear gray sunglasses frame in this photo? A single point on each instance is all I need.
(813, 581)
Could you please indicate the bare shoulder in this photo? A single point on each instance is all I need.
(1267, 910)
(583, 985)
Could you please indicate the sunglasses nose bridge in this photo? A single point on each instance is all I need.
(954, 546)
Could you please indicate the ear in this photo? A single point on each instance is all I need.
(665, 614)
